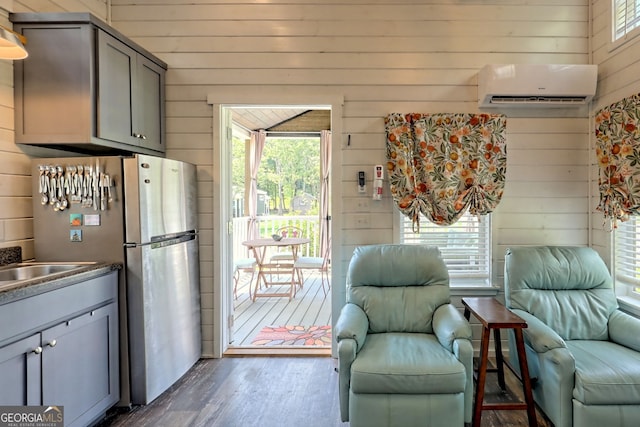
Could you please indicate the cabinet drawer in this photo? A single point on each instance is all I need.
(23, 317)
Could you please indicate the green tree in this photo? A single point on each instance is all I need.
(289, 166)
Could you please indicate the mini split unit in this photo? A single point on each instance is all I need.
(536, 85)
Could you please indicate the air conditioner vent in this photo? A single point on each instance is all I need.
(536, 85)
(580, 100)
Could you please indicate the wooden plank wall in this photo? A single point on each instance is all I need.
(384, 57)
(618, 78)
(16, 212)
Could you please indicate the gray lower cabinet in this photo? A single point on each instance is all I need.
(87, 88)
(20, 370)
(70, 362)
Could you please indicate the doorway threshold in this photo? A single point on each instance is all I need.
(281, 351)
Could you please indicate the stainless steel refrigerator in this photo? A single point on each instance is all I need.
(139, 211)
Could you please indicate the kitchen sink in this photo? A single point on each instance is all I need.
(13, 274)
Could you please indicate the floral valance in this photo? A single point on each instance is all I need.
(440, 165)
(618, 152)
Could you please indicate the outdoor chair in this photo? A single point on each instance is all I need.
(243, 265)
(285, 256)
(320, 264)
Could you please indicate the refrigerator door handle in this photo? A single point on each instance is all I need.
(166, 240)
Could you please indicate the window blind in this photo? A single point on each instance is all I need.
(464, 245)
(626, 17)
(628, 252)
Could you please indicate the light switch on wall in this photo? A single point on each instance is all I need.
(362, 221)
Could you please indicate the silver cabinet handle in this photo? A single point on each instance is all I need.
(136, 135)
(53, 343)
(37, 350)
(143, 136)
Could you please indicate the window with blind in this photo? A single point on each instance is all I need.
(465, 246)
(628, 255)
(626, 18)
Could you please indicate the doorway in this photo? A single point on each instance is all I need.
(280, 186)
(221, 100)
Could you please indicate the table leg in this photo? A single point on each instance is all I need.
(482, 376)
(259, 256)
(526, 381)
(499, 359)
(294, 282)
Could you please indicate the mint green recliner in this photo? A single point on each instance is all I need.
(404, 352)
(583, 353)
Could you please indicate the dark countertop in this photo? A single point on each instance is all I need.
(28, 288)
(10, 255)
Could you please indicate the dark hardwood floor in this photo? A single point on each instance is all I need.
(274, 392)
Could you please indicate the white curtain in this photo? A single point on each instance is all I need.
(256, 146)
(325, 170)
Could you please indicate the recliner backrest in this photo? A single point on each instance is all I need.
(568, 288)
(398, 286)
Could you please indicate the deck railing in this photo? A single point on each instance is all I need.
(310, 225)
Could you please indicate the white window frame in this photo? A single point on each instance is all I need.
(466, 268)
(627, 259)
(630, 29)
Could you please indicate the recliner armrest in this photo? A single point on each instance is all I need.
(346, 356)
(454, 333)
(538, 335)
(449, 325)
(624, 329)
(351, 333)
(353, 323)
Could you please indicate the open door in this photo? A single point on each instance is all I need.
(223, 230)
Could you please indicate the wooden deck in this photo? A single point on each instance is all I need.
(310, 307)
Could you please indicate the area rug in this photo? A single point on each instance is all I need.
(294, 335)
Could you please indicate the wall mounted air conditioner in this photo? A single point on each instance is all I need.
(536, 85)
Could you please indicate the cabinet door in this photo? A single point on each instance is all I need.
(53, 89)
(149, 111)
(80, 367)
(20, 372)
(116, 93)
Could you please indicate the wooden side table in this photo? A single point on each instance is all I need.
(495, 316)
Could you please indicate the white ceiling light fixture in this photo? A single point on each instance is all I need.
(12, 44)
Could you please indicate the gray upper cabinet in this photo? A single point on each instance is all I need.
(135, 85)
(87, 88)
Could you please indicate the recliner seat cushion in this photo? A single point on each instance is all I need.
(606, 373)
(406, 363)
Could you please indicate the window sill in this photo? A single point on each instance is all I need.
(629, 305)
(462, 289)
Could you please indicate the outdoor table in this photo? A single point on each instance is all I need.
(267, 269)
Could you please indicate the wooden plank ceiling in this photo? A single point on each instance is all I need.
(282, 119)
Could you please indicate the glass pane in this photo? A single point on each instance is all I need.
(464, 245)
(627, 239)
